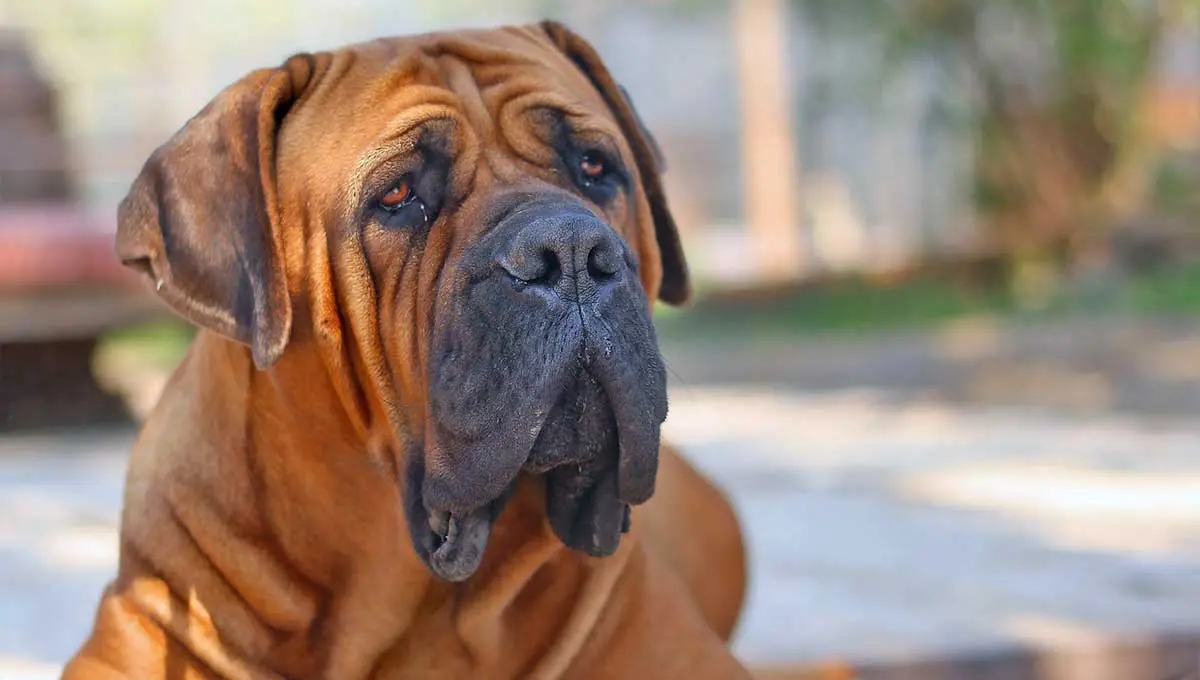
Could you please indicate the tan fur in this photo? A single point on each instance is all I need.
(263, 534)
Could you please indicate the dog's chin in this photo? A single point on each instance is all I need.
(452, 544)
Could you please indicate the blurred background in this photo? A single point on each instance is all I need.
(945, 348)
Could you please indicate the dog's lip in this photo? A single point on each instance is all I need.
(457, 541)
(585, 513)
(439, 523)
(450, 541)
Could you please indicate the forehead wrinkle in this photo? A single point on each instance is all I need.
(477, 47)
(527, 96)
(462, 82)
(405, 64)
(400, 136)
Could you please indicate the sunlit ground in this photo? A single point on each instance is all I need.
(879, 531)
(59, 501)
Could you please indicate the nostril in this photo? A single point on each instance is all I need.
(551, 269)
(571, 254)
(603, 264)
(537, 266)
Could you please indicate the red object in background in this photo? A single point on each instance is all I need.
(54, 246)
(47, 241)
(61, 286)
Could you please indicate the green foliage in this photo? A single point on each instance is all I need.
(123, 28)
(161, 344)
(844, 306)
(1082, 41)
(1175, 187)
(859, 307)
(1170, 291)
(1058, 89)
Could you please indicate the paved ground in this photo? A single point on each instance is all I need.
(1081, 366)
(882, 534)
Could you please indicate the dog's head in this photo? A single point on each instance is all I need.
(472, 225)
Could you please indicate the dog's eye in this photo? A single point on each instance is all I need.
(592, 166)
(598, 175)
(398, 196)
(401, 207)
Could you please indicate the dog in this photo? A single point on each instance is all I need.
(418, 431)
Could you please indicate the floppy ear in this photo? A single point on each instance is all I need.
(200, 222)
(676, 286)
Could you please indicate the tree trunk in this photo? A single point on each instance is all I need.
(771, 175)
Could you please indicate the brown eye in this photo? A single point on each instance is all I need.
(398, 196)
(592, 166)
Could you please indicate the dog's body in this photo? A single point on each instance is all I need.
(323, 512)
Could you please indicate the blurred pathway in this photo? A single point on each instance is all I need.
(1071, 367)
(889, 535)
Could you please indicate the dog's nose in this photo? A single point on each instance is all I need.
(573, 254)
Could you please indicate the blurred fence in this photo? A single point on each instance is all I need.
(884, 173)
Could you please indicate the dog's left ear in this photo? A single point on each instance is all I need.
(676, 284)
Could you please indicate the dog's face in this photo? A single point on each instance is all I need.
(475, 223)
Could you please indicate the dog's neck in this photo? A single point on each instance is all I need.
(282, 464)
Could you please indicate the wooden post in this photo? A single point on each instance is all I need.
(771, 172)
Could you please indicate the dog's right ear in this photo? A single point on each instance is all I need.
(201, 221)
(675, 288)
